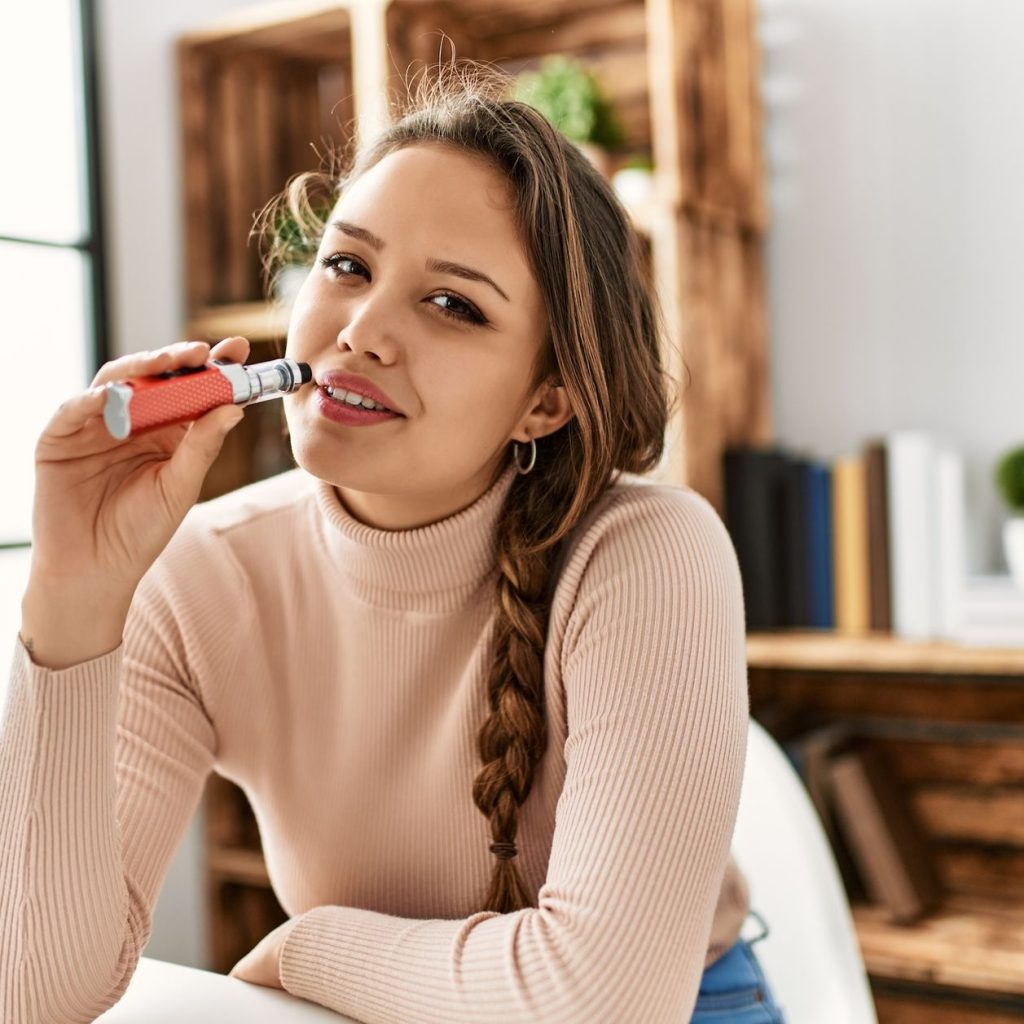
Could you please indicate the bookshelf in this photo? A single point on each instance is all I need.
(950, 721)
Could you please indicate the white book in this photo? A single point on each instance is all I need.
(950, 539)
(989, 636)
(910, 479)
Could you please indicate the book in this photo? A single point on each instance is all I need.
(885, 839)
(949, 537)
(911, 490)
(794, 512)
(850, 545)
(879, 571)
(751, 484)
(812, 753)
(819, 545)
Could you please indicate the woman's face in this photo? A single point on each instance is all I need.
(453, 349)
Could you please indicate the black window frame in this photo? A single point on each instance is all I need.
(92, 243)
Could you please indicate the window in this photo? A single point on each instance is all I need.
(51, 271)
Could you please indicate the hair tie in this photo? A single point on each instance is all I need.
(503, 851)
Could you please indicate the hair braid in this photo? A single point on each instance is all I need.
(513, 738)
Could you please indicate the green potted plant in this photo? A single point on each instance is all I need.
(1009, 478)
(295, 246)
(572, 99)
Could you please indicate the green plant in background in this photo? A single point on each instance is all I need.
(571, 98)
(1010, 478)
(638, 162)
(292, 242)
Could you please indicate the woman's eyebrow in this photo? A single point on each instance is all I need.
(438, 266)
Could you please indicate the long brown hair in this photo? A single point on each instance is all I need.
(604, 345)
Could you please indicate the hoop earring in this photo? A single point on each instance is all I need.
(533, 455)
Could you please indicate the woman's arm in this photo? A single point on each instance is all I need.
(654, 673)
(102, 765)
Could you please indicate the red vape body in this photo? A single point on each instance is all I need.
(179, 396)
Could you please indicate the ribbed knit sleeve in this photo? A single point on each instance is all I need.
(101, 768)
(654, 676)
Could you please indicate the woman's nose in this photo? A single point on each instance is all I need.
(370, 330)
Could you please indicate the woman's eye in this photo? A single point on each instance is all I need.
(333, 262)
(470, 313)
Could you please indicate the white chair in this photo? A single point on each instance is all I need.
(810, 956)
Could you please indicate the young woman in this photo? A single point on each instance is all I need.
(483, 684)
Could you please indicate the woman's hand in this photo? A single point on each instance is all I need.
(262, 964)
(104, 509)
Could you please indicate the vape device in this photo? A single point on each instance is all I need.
(138, 404)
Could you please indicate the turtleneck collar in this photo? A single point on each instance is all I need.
(433, 568)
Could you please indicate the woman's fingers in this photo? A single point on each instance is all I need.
(142, 364)
(72, 414)
(234, 349)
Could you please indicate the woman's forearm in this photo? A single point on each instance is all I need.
(64, 903)
(64, 625)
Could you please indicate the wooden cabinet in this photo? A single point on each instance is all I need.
(265, 93)
(950, 721)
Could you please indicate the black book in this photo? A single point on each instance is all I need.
(752, 480)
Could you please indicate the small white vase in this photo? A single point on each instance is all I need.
(288, 283)
(1013, 545)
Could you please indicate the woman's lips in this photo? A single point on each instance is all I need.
(350, 415)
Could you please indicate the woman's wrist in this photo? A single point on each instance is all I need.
(61, 628)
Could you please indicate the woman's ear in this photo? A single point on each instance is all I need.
(551, 410)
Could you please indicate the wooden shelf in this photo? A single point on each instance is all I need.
(969, 943)
(257, 321)
(826, 650)
(238, 864)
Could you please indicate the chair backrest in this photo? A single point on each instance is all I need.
(811, 956)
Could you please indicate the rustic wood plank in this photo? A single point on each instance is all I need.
(257, 321)
(910, 1008)
(602, 29)
(238, 864)
(970, 943)
(725, 401)
(284, 25)
(878, 652)
(975, 763)
(981, 870)
(986, 815)
(194, 99)
(856, 696)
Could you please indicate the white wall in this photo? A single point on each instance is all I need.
(894, 138)
(896, 149)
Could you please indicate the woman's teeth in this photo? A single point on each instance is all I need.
(351, 398)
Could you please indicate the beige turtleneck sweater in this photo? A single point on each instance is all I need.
(335, 672)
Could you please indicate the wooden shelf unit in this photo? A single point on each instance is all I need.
(683, 75)
(949, 720)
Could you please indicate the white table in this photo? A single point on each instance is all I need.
(163, 993)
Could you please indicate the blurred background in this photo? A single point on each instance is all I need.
(827, 192)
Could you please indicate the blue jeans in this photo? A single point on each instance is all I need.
(733, 990)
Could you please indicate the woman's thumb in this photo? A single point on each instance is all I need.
(200, 447)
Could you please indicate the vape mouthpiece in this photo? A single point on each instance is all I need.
(138, 404)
